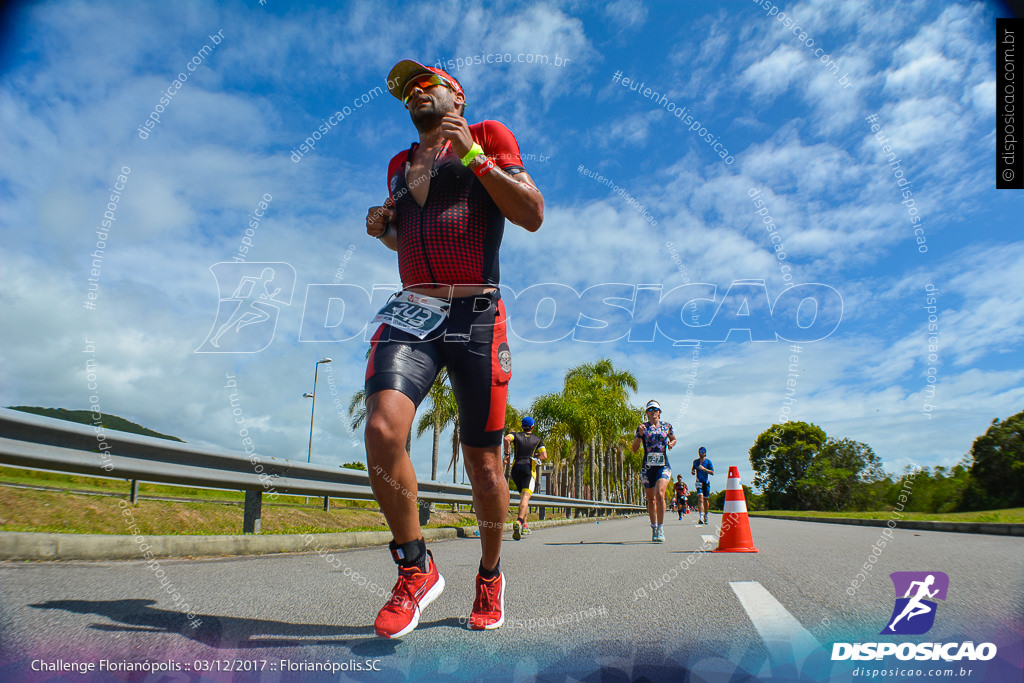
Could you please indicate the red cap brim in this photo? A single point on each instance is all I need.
(407, 69)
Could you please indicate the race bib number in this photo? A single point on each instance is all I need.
(655, 459)
(413, 313)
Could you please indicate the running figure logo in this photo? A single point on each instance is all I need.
(250, 299)
(914, 613)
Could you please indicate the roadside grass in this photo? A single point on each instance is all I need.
(10, 475)
(215, 513)
(1007, 516)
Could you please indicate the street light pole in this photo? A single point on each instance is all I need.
(312, 410)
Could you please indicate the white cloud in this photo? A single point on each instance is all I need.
(626, 14)
(772, 75)
(68, 119)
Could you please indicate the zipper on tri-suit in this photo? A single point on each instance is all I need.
(430, 189)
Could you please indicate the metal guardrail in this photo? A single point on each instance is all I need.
(37, 442)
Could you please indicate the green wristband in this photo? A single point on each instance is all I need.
(474, 151)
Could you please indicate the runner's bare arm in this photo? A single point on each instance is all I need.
(379, 222)
(516, 196)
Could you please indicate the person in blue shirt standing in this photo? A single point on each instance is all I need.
(657, 438)
(703, 468)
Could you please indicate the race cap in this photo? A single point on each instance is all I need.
(652, 404)
(527, 422)
(406, 70)
(702, 450)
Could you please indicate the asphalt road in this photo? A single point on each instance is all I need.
(595, 601)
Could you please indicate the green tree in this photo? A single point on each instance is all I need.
(513, 418)
(610, 389)
(591, 407)
(442, 412)
(998, 465)
(354, 466)
(357, 409)
(781, 456)
(357, 413)
(938, 490)
(838, 475)
(513, 423)
(717, 500)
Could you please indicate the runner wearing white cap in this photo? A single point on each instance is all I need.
(657, 438)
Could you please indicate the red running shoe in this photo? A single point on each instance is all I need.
(489, 607)
(413, 591)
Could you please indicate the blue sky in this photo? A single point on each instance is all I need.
(78, 79)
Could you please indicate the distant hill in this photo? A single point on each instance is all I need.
(85, 417)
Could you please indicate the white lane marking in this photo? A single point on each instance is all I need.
(707, 539)
(783, 636)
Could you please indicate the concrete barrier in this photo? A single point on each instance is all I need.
(28, 545)
(956, 527)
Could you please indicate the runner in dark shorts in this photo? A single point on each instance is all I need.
(703, 469)
(529, 451)
(681, 493)
(449, 195)
(657, 438)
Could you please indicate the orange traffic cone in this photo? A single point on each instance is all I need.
(735, 535)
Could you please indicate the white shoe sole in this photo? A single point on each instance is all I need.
(501, 601)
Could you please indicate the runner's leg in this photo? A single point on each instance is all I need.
(490, 498)
(389, 416)
(659, 500)
(524, 505)
(652, 505)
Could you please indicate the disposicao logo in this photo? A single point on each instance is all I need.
(914, 614)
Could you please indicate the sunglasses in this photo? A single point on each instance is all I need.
(651, 410)
(423, 82)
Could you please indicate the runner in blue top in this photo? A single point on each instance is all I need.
(703, 468)
(657, 438)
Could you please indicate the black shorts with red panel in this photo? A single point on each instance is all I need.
(472, 344)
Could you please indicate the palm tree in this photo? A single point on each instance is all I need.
(633, 463)
(357, 408)
(569, 410)
(513, 421)
(443, 411)
(357, 411)
(593, 410)
(513, 418)
(608, 392)
(456, 442)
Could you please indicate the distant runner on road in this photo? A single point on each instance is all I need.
(657, 439)
(703, 468)
(529, 450)
(681, 493)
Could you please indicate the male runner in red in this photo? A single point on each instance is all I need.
(681, 494)
(449, 196)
